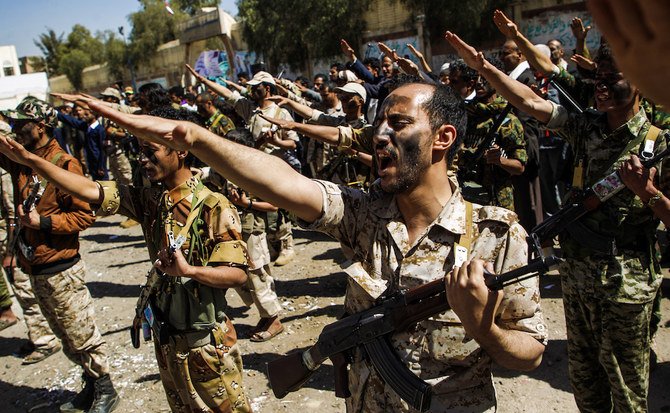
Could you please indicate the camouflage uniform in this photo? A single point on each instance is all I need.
(219, 124)
(7, 212)
(260, 287)
(371, 232)
(496, 183)
(246, 109)
(55, 269)
(119, 163)
(610, 275)
(39, 332)
(202, 340)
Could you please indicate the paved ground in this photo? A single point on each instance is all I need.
(311, 290)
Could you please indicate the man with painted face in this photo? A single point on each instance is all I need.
(402, 234)
(610, 275)
(49, 252)
(489, 181)
(197, 339)
(215, 121)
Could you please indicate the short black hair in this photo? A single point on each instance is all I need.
(168, 112)
(328, 85)
(466, 72)
(155, 95)
(604, 55)
(321, 75)
(444, 107)
(244, 75)
(303, 79)
(338, 65)
(177, 91)
(242, 136)
(374, 63)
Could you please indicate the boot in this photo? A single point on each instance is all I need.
(106, 398)
(83, 400)
(286, 254)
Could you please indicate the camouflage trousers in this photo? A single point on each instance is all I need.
(369, 394)
(201, 377)
(119, 165)
(608, 335)
(260, 290)
(260, 286)
(39, 331)
(68, 307)
(5, 297)
(279, 226)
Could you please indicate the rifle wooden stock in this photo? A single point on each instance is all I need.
(371, 330)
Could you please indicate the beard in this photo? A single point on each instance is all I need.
(409, 172)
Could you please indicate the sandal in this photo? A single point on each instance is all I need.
(267, 330)
(41, 353)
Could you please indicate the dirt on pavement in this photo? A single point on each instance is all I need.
(311, 290)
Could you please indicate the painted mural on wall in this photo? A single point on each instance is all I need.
(400, 46)
(214, 65)
(556, 25)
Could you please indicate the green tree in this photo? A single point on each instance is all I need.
(50, 44)
(73, 63)
(80, 38)
(472, 20)
(152, 26)
(295, 31)
(115, 54)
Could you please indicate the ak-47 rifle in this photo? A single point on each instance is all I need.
(28, 205)
(144, 320)
(490, 138)
(582, 203)
(371, 330)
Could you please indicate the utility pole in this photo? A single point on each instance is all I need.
(128, 60)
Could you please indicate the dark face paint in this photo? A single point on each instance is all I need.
(616, 88)
(26, 133)
(408, 156)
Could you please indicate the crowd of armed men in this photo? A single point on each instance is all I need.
(420, 175)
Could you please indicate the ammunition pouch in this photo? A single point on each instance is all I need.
(593, 241)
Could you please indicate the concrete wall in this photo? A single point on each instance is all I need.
(167, 66)
(9, 61)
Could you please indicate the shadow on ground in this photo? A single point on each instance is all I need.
(322, 378)
(21, 399)
(100, 289)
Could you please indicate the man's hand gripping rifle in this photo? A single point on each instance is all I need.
(586, 201)
(28, 205)
(371, 330)
(143, 320)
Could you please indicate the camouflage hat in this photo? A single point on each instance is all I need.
(32, 108)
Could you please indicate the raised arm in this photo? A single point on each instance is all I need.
(520, 95)
(580, 32)
(76, 185)
(234, 85)
(422, 60)
(265, 175)
(302, 110)
(325, 134)
(535, 58)
(217, 88)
